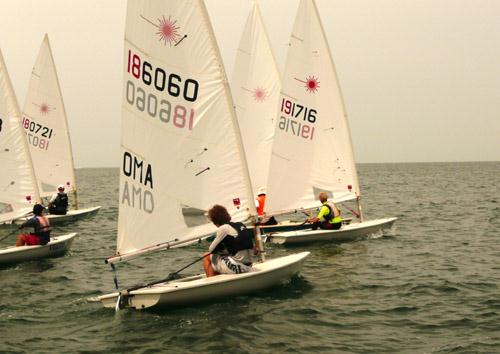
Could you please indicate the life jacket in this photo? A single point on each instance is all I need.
(61, 202)
(243, 241)
(43, 232)
(330, 217)
(261, 199)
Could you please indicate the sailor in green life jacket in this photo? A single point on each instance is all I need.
(328, 217)
(58, 204)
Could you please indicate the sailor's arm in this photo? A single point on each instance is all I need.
(219, 236)
(29, 222)
(322, 212)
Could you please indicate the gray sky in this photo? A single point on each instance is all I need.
(420, 78)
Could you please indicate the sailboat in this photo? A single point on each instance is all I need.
(45, 124)
(256, 88)
(181, 153)
(18, 190)
(312, 149)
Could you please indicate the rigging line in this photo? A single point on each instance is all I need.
(9, 234)
(122, 300)
(164, 245)
(352, 211)
(115, 278)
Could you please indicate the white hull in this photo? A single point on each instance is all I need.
(349, 232)
(57, 246)
(200, 288)
(72, 215)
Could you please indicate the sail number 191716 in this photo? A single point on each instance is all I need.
(297, 119)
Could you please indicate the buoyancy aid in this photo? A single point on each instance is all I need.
(261, 199)
(43, 231)
(330, 217)
(243, 241)
(61, 201)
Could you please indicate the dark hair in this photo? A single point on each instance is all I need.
(219, 215)
(38, 209)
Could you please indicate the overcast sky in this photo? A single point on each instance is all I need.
(420, 78)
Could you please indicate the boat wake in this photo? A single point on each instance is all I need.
(376, 234)
(93, 299)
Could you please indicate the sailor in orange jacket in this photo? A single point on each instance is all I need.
(260, 203)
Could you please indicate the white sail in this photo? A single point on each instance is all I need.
(18, 191)
(312, 150)
(256, 90)
(46, 127)
(180, 144)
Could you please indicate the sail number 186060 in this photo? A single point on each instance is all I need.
(162, 81)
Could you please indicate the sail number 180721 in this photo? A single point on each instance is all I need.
(34, 129)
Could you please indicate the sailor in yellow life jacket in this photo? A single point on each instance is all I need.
(328, 217)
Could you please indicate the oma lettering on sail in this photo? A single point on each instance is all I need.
(139, 192)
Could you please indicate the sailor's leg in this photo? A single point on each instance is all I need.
(207, 266)
(21, 240)
(325, 225)
(227, 265)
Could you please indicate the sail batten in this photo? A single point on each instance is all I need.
(312, 149)
(180, 145)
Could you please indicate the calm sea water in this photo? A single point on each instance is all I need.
(431, 287)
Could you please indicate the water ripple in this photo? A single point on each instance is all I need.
(430, 287)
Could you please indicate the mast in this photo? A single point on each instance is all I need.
(236, 129)
(353, 165)
(27, 149)
(234, 120)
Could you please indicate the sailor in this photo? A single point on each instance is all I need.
(58, 204)
(328, 217)
(231, 250)
(260, 202)
(41, 225)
